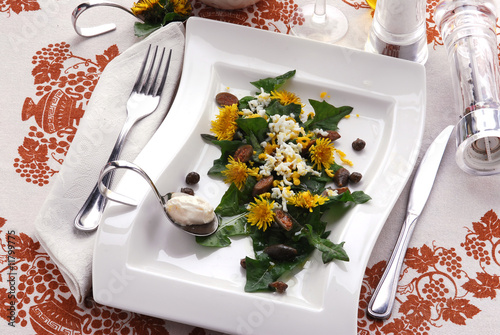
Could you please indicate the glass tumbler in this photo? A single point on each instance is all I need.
(468, 31)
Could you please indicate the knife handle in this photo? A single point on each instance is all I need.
(382, 301)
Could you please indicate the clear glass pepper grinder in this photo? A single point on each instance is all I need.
(468, 31)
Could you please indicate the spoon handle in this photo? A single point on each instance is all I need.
(113, 196)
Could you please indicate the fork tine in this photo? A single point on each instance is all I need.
(164, 78)
(138, 81)
(147, 83)
(153, 82)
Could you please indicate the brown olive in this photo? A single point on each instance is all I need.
(358, 144)
(283, 219)
(332, 135)
(355, 177)
(187, 190)
(192, 178)
(341, 177)
(278, 286)
(280, 252)
(262, 186)
(243, 153)
(243, 263)
(226, 99)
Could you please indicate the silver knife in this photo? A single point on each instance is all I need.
(382, 301)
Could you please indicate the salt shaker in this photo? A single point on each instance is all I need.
(398, 30)
(467, 28)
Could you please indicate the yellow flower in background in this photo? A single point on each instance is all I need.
(307, 200)
(144, 5)
(260, 213)
(158, 13)
(285, 98)
(238, 172)
(182, 7)
(224, 126)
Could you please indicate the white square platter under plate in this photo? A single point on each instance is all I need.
(143, 264)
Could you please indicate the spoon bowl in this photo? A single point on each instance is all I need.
(204, 229)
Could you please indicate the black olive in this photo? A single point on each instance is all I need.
(280, 252)
(192, 178)
(358, 145)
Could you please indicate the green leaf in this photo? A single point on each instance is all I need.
(235, 226)
(144, 29)
(227, 148)
(357, 197)
(243, 103)
(257, 126)
(326, 115)
(252, 139)
(261, 272)
(360, 197)
(275, 107)
(230, 203)
(329, 250)
(272, 84)
(233, 201)
(314, 184)
(208, 137)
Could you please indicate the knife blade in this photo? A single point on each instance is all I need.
(382, 301)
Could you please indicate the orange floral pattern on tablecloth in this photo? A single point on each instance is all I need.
(18, 6)
(64, 83)
(34, 294)
(434, 289)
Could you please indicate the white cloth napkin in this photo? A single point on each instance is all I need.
(68, 247)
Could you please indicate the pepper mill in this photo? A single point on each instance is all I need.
(467, 28)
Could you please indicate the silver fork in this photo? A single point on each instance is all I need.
(143, 101)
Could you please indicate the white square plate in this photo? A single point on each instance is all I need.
(143, 264)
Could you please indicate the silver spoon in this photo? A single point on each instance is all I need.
(195, 229)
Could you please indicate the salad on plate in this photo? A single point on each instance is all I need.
(284, 172)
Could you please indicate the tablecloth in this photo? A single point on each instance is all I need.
(451, 274)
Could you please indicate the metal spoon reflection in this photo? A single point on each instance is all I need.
(195, 229)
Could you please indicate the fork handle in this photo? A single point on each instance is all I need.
(90, 214)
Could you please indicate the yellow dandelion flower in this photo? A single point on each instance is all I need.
(322, 153)
(182, 7)
(143, 6)
(307, 200)
(260, 213)
(238, 172)
(285, 98)
(224, 126)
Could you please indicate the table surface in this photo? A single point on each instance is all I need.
(450, 278)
